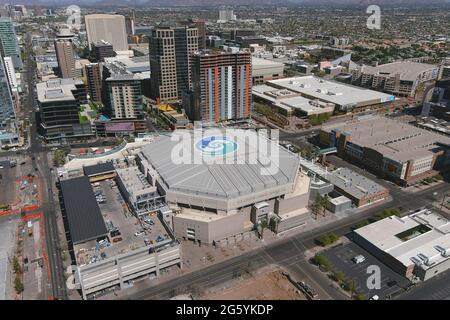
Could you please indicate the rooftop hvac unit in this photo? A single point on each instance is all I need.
(444, 252)
(416, 261)
(423, 257)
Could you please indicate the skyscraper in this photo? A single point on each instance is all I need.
(7, 113)
(170, 51)
(94, 81)
(9, 69)
(107, 27)
(129, 25)
(125, 96)
(65, 54)
(222, 86)
(9, 47)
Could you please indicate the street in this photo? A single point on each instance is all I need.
(286, 253)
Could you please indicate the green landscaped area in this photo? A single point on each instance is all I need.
(83, 119)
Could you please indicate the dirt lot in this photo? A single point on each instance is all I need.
(268, 285)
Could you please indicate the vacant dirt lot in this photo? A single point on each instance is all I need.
(267, 285)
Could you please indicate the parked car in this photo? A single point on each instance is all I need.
(117, 239)
(359, 259)
(138, 233)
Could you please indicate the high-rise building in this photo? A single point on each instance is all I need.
(9, 46)
(7, 112)
(59, 103)
(10, 72)
(129, 25)
(94, 82)
(170, 59)
(65, 53)
(222, 86)
(226, 15)
(102, 50)
(107, 27)
(200, 24)
(125, 96)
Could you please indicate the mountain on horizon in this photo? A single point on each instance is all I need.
(211, 3)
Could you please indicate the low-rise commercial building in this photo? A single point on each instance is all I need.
(416, 246)
(344, 97)
(400, 78)
(264, 70)
(345, 182)
(395, 150)
(289, 103)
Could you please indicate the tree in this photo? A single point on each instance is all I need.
(360, 296)
(59, 157)
(339, 276)
(322, 262)
(351, 286)
(263, 224)
(18, 285)
(16, 266)
(273, 223)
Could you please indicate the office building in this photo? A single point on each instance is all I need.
(129, 26)
(65, 53)
(94, 82)
(170, 60)
(59, 103)
(416, 246)
(9, 46)
(221, 86)
(226, 15)
(124, 96)
(7, 112)
(107, 27)
(10, 72)
(400, 78)
(102, 50)
(395, 150)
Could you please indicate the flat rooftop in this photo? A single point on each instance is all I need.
(57, 89)
(134, 181)
(115, 215)
(407, 70)
(97, 169)
(290, 100)
(410, 239)
(332, 91)
(394, 139)
(82, 211)
(353, 183)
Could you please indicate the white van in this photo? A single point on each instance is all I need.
(359, 259)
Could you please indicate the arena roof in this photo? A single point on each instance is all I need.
(241, 178)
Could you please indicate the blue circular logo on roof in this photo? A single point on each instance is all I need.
(216, 145)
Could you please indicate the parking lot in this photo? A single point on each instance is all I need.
(126, 232)
(341, 259)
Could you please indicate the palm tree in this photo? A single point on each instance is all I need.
(263, 224)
